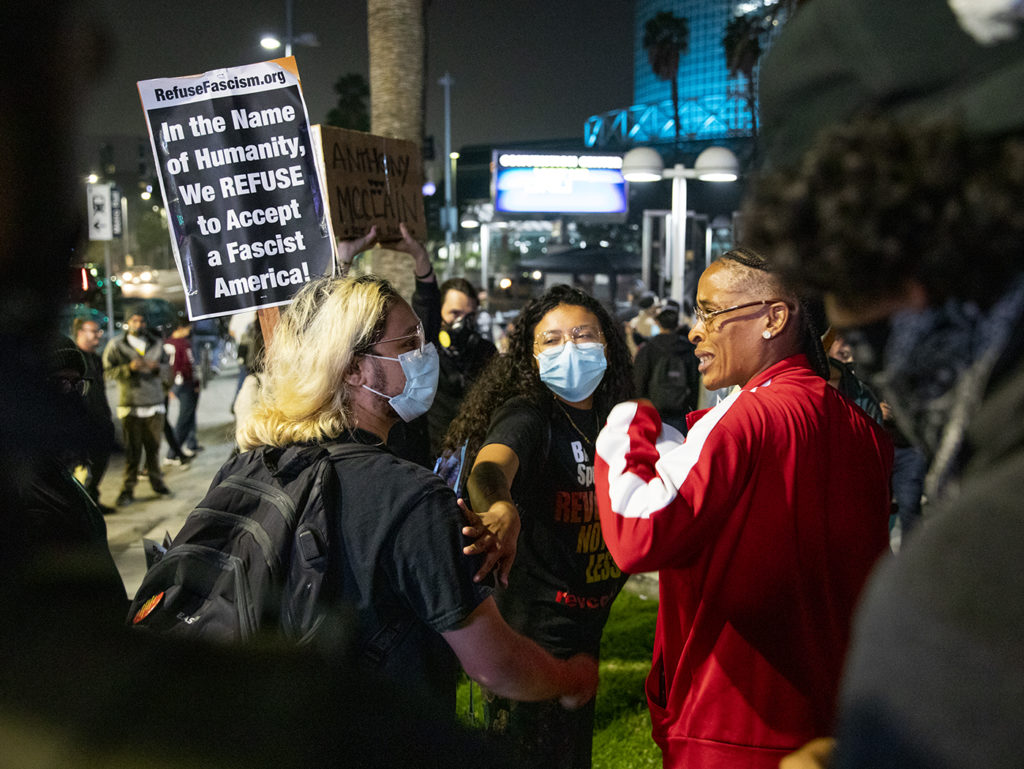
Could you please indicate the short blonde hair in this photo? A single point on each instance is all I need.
(303, 397)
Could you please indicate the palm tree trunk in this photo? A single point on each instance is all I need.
(395, 31)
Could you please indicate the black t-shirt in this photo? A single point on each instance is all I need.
(404, 566)
(564, 580)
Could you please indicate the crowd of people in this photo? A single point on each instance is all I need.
(736, 446)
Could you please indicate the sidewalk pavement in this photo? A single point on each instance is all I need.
(151, 516)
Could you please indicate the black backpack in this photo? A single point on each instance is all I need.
(670, 386)
(255, 552)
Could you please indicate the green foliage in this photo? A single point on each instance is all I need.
(152, 238)
(742, 43)
(622, 726)
(629, 634)
(666, 38)
(469, 690)
(352, 111)
(747, 34)
(626, 744)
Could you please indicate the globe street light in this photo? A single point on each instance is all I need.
(272, 43)
(714, 164)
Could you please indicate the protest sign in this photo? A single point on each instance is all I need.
(372, 180)
(245, 208)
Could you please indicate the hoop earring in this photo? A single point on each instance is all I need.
(766, 334)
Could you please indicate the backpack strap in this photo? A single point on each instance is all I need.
(286, 464)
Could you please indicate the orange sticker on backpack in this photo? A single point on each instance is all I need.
(147, 607)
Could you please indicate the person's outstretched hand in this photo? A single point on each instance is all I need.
(496, 534)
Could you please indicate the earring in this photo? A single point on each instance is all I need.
(766, 334)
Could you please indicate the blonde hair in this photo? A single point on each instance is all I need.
(303, 397)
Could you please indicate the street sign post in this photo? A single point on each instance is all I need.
(104, 225)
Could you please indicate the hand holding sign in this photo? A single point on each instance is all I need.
(348, 250)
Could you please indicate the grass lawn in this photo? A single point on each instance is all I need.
(622, 728)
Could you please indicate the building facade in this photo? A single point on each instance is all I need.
(713, 105)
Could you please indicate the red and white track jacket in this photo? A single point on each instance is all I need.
(763, 525)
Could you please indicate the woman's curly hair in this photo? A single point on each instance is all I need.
(877, 203)
(514, 373)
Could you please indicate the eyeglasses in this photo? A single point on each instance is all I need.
(549, 340)
(705, 317)
(66, 386)
(417, 334)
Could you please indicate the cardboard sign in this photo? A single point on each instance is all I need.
(372, 180)
(247, 215)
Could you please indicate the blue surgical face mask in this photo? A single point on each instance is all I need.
(573, 371)
(421, 371)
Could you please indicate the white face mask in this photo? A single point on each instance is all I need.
(421, 372)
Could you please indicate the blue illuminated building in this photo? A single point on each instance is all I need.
(713, 106)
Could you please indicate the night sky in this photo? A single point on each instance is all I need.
(523, 69)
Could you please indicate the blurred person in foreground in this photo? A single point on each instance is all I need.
(894, 185)
(65, 525)
(763, 524)
(529, 425)
(348, 360)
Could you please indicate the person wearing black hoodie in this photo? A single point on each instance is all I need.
(665, 369)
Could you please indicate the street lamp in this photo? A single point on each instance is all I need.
(449, 218)
(272, 43)
(714, 164)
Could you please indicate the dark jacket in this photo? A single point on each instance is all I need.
(676, 402)
(65, 528)
(96, 404)
(935, 676)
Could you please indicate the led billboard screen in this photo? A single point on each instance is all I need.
(559, 183)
